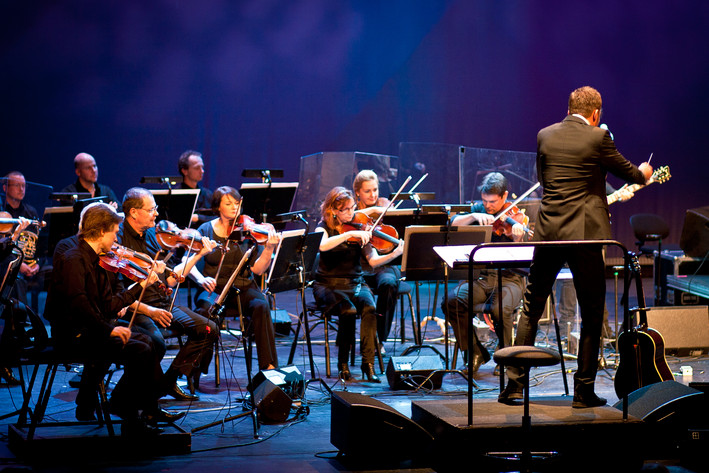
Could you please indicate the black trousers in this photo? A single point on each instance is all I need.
(385, 284)
(587, 267)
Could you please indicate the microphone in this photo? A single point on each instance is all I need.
(291, 217)
(605, 127)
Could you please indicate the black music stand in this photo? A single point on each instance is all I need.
(176, 205)
(292, 269)
(426, 265)
(263, 201)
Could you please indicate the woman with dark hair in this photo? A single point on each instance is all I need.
(226, 203)
(339, 285)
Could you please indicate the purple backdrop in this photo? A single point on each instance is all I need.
(260, 83)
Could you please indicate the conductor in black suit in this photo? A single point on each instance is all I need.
(573, 157)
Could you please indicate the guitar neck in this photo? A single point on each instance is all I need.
(615, 196)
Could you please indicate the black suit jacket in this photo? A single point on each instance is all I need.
(573, 159)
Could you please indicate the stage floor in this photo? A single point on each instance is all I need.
(302, 443)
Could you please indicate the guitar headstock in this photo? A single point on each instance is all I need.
(661, 174)
(635, 263)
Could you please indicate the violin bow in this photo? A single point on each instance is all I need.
(142, 292)
(516, 201)
(181, 276)
(413, 188)
(381, 216)
(225, 290)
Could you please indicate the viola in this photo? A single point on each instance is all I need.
(7, 222)
(171, 237)
(114, 263)
(258, 232)
(512, 216)
(384, 237)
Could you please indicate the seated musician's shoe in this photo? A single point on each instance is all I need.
(344, 371)
(178, 393)
(587, 400)
(161, 415)
(477, 361)
(6, 374)
(510, 396)
(368, 373)
(85, 413)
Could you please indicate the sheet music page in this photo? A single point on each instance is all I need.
(452, 254)
(492, 254)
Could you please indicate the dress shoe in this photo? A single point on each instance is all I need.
(476, 363)
(510, 396)
(368, 373)
(6, 374)
(344, 371)
(588, 400)
(85, 413)
(178, 393)
(162, 415)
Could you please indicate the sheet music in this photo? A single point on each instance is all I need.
(489, 254)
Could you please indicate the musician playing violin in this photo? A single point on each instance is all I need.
(493, 191)
(385, 279)
(156, 310)
(339, 287)
(82, 308)
(226, 202)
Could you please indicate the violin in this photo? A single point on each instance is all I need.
(140, 259)
(258, 232)
(7, 222)
(384, 237)
(171, 236)
(115, 263)
(509, 216)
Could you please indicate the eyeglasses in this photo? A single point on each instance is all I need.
(348, 209)
(150, 210)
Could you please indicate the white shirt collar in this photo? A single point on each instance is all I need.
(581, 117)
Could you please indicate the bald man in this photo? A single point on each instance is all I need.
(87, 174)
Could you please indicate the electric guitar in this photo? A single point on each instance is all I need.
(641, 348)
(660, 175)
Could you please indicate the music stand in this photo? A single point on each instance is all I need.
(263, 201)
(68, 198)
(60, 221)
(292, 269)
(176, 205)
(421, 263)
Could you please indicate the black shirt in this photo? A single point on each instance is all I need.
(342, 261)
(231, 260)
(101, 190)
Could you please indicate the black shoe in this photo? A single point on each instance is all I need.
(510, 396)
(588, 400)
(476, 363)
(368, 373)
(163, 416)
(85, 413)
(178, 393)
(6, 374)
(344, 371)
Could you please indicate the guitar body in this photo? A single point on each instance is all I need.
(660, 361)
(636, 367)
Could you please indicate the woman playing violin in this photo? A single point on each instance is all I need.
(226, 202)
(385, 279)
(339, 285)
(493, 192)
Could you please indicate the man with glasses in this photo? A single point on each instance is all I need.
(137, 232)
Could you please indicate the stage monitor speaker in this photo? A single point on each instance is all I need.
(367, 430)
(665, 402)
(695, 232)
(274, 390)
(409, 372)
(685, 329)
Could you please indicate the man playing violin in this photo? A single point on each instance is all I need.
(573, 159)
(137, 232)
(82, 308)
(219, 266)
(339, 287)
(493, 191)
(385, 279)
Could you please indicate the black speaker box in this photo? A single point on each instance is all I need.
(408, 372)
(685, 329)
(695, 232)
(289, 379)
(281, 321)
(367, 430)
(665, 402)
(272, 402)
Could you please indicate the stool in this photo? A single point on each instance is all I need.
(524, 358)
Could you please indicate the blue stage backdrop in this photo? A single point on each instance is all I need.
(260, 83)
